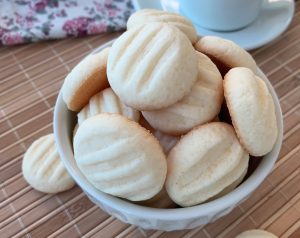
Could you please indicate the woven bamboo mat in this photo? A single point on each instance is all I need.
(30, 78)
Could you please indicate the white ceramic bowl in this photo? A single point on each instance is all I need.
(154, 218)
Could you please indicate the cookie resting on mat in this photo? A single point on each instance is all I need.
(43, 169)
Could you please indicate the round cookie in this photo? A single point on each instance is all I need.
(201, 105)
(107, 101)
(43, 169)
(146, 16)
(86, 79)
(203, 163)
(256, 234)
(216, 119)
(252, 110)
(160, 200)
(231, 187)
(225, 53)
(152, 66)
(166, 141)
(119, 157)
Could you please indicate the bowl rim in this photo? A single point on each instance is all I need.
(229, 200)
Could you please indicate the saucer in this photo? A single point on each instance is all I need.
(274, 18)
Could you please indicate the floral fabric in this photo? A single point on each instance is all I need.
(24, 21)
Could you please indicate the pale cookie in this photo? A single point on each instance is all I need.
(203, 163)
(85, 80)
(43, 169)
(160, 200)
(107, 101)
(201, 105)
(119, 157)
(225, 53)
(231, 187)
(256, 234)
(146, 16)
(252, 110)
(216, 119)
(166, 141)
(152, 66)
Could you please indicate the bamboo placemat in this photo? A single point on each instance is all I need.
(30, 78)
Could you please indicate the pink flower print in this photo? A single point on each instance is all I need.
(99, 6)
(29, 21)
(61, 13)
(71, 3)
(31, 13)
(2, 31)
(108, 2)
(12, 38)
(95, 28)
(112, 13)
(19, 19)
(39, 5)
(77, 26)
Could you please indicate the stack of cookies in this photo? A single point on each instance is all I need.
(149, 126)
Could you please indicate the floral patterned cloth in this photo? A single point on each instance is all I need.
(24, 21)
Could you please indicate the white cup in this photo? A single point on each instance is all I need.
(221, 15)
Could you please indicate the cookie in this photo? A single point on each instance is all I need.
(85, 80)
(107, 101)
(166, 141)
(43, 169)
(201, 105)
(160, 200)
(256, 234)
(146, 16)
(231, 187)
(216, 119)
(203, 163)
(152, 66)
(225, 53)
(119, 157)
(252, 110)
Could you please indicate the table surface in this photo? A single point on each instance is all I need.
(30, 78)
